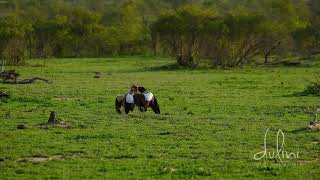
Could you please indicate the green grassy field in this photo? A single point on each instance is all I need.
(212, 122)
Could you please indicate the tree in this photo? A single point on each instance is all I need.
(50, 35)
(240, 39)
(82, 24)
(132, 33)
(13, 39)
(312, 32)
(181, 32)
(285, 18)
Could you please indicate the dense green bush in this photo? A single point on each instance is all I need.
(234, 39)
(228, 33)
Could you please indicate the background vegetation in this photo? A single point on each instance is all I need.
(225, 32)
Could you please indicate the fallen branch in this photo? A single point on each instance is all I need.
(26, 81)
(10, 77)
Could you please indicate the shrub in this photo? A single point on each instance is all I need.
(313, 87)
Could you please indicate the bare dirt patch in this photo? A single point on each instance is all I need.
(53, 122)
(64, 98)
(41, 158)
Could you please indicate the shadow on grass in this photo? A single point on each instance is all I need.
(298, 131)
(175, 67)
(303, 130)
(169, 67)
(299, 94)
(288, 63)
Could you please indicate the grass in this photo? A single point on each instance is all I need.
(212, 122)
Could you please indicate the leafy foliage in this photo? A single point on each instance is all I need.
(230, 40)
(13, 39)
(227, 32)
(182, 31)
